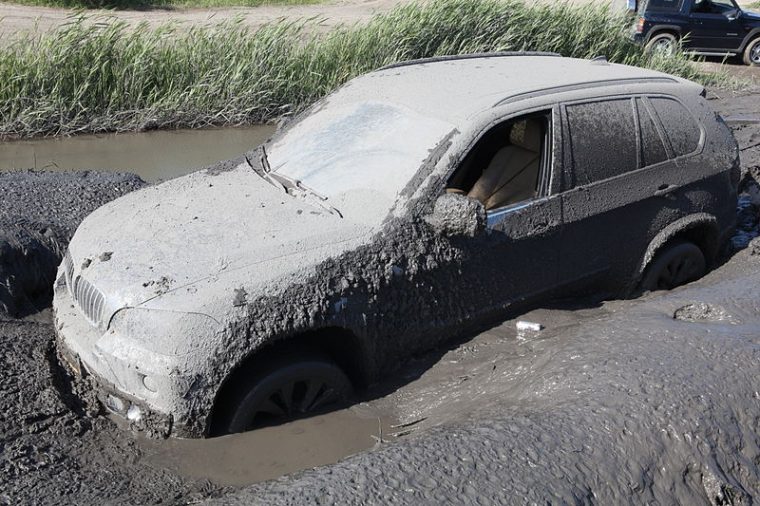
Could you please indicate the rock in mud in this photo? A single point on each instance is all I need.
(701, 312)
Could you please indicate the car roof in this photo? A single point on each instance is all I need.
(456, 88)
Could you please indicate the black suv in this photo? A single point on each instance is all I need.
(705, 27)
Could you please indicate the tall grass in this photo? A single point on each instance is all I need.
(110, 77)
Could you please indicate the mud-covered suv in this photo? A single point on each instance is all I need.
(414, 204)
(705, 27)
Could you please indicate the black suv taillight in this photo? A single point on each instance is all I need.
(640, 25)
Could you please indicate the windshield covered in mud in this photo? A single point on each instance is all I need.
(359, 146)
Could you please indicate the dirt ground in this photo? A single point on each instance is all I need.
(18, 18)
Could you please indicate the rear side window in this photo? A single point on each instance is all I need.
(681, 128)
(602, 139)
(652, 147)
(664, 5)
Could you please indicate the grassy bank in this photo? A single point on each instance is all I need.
(86, 78)
(155, 4)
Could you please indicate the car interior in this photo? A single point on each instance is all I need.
(504, 166)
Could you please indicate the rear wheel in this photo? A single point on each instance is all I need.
(286, 389)
(752, 53)
(662, 43)
(677, 263)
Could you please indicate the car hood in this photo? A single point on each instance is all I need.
(753, 16)
(229, 230)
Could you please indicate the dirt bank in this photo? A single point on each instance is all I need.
(38, 215)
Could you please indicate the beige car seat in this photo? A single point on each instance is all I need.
(513, 172)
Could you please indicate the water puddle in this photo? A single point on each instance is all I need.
(154, 156)
(270, 452)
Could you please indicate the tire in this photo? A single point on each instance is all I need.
(677, 263)
(662, 43)
(287, 388)
(752, 53)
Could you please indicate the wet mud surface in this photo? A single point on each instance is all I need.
(655, 400)
(629, 405)
(154, 156)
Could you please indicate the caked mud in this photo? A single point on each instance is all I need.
(652, 400)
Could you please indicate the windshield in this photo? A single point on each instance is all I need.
(359, 146)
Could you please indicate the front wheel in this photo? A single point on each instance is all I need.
(662, 43)
(678, 263)
(286, 389)
(752, 53)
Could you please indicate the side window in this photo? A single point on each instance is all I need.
(505, 165)
(602, 141)
(680, 126)
(713, 6)
(664, 5)
(652, 147)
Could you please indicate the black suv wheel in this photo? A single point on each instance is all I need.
(752, 53)
(677, 263)
(662, 43)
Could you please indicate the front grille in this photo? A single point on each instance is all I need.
(89, 299)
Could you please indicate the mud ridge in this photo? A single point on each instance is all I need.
(40, 213)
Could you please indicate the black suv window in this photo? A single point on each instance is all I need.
(652, 146)
(713, 6)
(602, 140)
(681, 128)
(664, 5)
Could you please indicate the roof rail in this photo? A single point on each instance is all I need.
(453, 57)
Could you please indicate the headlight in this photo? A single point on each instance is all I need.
(164, 333)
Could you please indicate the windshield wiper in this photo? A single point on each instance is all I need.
(291, 186)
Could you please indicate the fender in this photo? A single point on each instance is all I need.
(663, 28)
(749, 38)
(679, 226)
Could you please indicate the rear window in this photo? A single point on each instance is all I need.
(681, 128)
(602, 139)
(663, 5)
(652, 146)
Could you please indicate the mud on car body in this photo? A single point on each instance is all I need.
(411, 205)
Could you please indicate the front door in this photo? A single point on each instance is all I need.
(715, 25)
(509, 170)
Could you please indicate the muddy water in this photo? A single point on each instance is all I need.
(270, 452)
(154, 156)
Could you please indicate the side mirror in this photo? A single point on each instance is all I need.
(457, 215)
(734, 15)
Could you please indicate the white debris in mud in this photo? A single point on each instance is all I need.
(525, 326)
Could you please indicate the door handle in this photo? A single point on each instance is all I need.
(665, 189)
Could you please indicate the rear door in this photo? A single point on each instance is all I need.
(615, 184)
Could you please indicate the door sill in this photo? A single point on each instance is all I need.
(710, 53)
